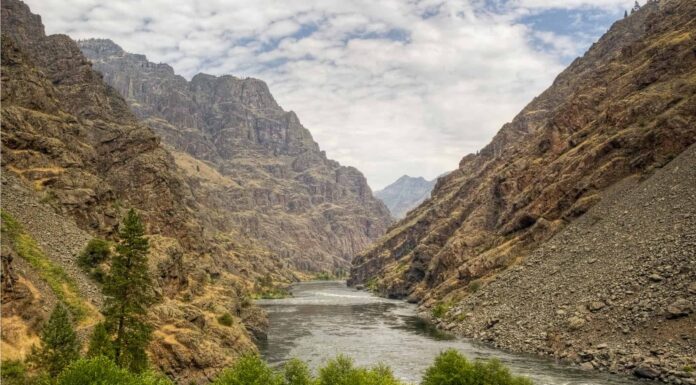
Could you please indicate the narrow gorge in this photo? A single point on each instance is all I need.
(563, 252)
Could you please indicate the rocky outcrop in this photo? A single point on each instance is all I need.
(250, 161)
(74, 159)
(615, 290)
(546, 241)
(627, 107)
(405, 194)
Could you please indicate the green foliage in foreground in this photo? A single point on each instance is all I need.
(252, 370)
(103, 371)
(451, 368)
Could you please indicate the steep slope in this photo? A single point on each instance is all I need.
(272, 183)
(626, 107)
(614, 290)
(405, 194)
(74, 159)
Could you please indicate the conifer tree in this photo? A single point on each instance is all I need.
(128, 291)
(59, 346)
(100, 343)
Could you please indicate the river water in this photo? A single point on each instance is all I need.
(324, 319)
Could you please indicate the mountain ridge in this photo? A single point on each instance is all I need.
(405, 194)
(309, 208)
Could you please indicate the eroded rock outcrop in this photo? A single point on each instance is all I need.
(251, 161)
(546, 241)
(74, 159)
(625, 108)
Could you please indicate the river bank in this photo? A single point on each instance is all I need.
(326, 318)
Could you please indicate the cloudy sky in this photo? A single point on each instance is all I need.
(391, 87)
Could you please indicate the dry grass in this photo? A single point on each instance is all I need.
(62, 285)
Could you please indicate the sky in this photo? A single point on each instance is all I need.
(391, 87)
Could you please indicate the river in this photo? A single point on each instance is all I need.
(323, 319)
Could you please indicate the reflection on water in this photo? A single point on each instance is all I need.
(324, 319)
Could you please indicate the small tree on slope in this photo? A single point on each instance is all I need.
(59, 346)
(128, 292)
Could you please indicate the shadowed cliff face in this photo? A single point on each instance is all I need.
(264, 174)
(74, 160)
(626, 107)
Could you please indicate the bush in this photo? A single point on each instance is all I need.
(96, 252)
(226, 319)
(474, 286)
(451, 368)
(103, 371)
(296, 372)
(249, 370)
(341, 371)
(96, 371)
(13, 373)
(440, 310)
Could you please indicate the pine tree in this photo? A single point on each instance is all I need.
(59, 346)
(128, 292)
(636, 6)
(100, 343)
(625, 14)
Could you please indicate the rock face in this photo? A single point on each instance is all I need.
(405, 194)
(74, 160)
(588, 294)
(572, 233)
(252, 162)
(627, 107)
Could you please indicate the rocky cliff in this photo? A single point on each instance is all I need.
(623, 110)
(405, 194)
(74, 159)
(251, 162)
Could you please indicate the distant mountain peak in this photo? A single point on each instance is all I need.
(404, 194)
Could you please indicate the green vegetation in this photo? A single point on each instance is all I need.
(474, 286)
(100, 343)
(451, 368)
(249, 370)
(265, 288)
(326, 276)
(59, 346)
(101, 370)
(440, 309)
(225, 319)
(61, 284)
(96, 252)
(371, 285)
(128, 292)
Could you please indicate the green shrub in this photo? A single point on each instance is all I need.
(103, 371)
(451, 368)
(96, 252)
(226, 319)
(296, 372)
(440, 309)
(474, 286)
(14, 373)
(96, 371)
(249, 370)
(341, 371)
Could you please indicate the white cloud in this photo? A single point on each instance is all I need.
(391, 87)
